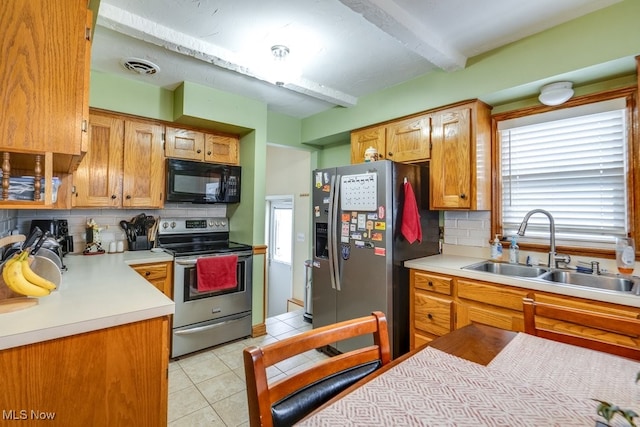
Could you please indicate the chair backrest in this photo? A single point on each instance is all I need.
(605, 322)
(288, 400)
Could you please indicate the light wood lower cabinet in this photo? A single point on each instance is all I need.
(441, 303)
(109, 377)
(159, 274)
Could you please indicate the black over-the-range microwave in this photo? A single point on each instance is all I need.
(199, 182)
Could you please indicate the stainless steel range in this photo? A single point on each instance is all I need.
(205, 317)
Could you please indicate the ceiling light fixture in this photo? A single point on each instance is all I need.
(556, 93)
(282, 70)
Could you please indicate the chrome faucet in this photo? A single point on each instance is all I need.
(554, 258)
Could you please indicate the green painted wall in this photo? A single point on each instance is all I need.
(597, 46)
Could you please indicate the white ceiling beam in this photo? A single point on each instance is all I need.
(404, 27)
(135, 26)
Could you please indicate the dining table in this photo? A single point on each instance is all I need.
(479, 375)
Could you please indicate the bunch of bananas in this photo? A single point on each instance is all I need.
(20, 278)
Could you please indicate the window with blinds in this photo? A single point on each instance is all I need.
(572, 163)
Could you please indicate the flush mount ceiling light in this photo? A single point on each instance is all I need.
(556, 93)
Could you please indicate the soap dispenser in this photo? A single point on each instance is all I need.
(496, 249)
(514, 251)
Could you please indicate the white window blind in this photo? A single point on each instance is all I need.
(574, 167)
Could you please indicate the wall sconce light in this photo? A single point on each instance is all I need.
(556, 93)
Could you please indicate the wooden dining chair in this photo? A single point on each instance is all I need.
(286, 401)
(605, 322)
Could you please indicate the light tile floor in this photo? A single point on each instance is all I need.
(208, 387)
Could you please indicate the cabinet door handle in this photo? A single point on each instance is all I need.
(463, 196)
(389, 154)
(198, 151)
(430, 283)
(147, 273)
(128, 197)
(208, 153)
(430, 316)
(113, 196)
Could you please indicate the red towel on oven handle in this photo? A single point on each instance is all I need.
(410, 228)
(217, 273)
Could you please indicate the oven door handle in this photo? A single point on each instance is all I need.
(204, 328)
(186, 262)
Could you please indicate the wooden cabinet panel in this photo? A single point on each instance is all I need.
(143, 173)
(501, 296)
(492, 316)
(460, 170)
(495, 305)
(433, 315)
(189, 144)
(184, 144)
(222, 149)
(44, 75)
(124, 166)
(158, 274)
(98, 179)
(450, 174)
(409, 140)
(92, 379)
(364, 138)
(418, 340)
(433, 283)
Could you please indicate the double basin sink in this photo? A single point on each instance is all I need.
(562, 276)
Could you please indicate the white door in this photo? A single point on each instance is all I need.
(279, 281)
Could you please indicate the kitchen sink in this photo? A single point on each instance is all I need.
(601, 282)
(505, 269)
(560, 276)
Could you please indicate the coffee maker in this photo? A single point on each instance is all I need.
(58, 229)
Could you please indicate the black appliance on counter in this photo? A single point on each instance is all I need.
(200, 182)
(58, 229)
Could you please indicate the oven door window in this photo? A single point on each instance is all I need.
(191, 292)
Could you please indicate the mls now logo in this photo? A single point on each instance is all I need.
(24, 414)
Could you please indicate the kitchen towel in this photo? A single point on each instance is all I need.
(217, 273)
(410, 228)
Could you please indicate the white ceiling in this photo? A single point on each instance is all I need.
(345, 48)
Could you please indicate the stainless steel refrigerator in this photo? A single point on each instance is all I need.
(358, 249)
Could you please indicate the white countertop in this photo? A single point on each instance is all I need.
(97, 292)
(452, 265)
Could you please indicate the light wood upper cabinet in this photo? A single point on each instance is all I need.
(45, 74)
(409, 140)
(460, 170)
(406, 140)
(124, 166)
(191, 144)
(98, 179)
(370, 137)
(222, 149)
(184, 144)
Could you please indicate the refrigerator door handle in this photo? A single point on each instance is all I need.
(334, 213)
(330, 236)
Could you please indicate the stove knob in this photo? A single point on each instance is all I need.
(210, 223)
(222, 223)
(165, 224)
(217, 223)
(173, 224)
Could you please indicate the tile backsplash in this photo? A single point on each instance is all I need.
(467, 228)
(107, 219)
